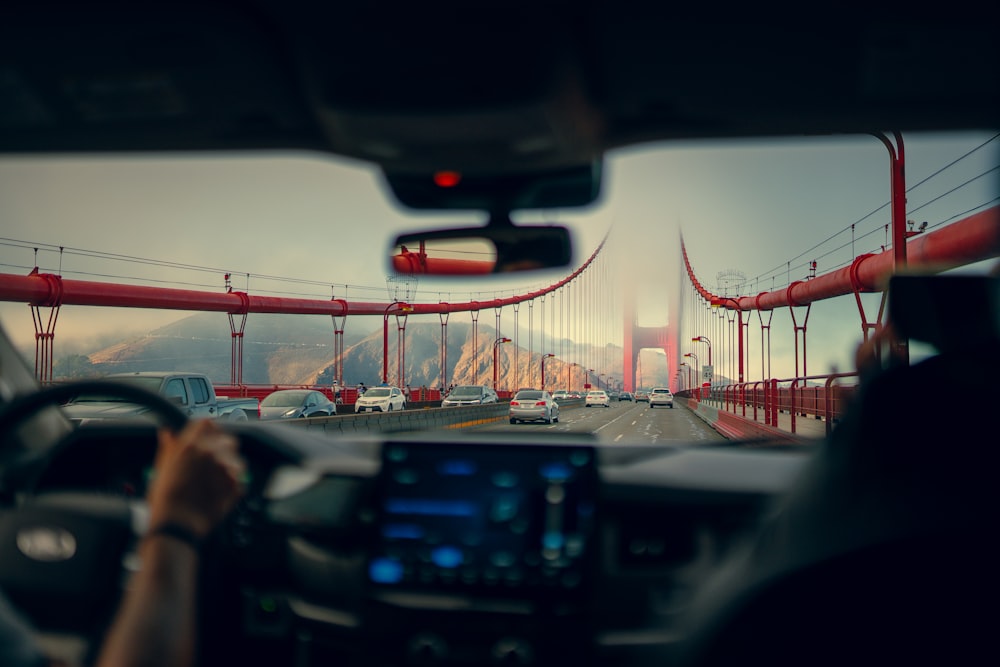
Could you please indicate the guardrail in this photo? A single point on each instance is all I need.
(412, 419)
(405, 420)
(348, 395)
(763, 400)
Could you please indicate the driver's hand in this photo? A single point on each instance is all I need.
(197, 478)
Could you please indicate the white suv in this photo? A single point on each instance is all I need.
(598, 398)
(661, 396)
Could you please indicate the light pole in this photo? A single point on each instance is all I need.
(544, 357)
(694, 356)
(497, 342)
(401, 306)
(717, 303)
(569, 374)
(704, 339)
(684, 363)
(586, 380)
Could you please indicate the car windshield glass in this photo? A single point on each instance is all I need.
(378, 392)
(184, 198)
(283, 399)
(148, 383)
(528, 395)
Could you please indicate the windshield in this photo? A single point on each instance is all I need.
(466, 392)
(754, 216)
(290, 399)
(528, 395)
(151, 384)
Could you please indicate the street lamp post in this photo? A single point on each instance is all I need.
(704, 339)
(544, 357)
(683, 363)
(400, 307)
(569, 376)
(717, 303)
(694, 356)
(497, 342)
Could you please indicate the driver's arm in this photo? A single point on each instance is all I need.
(197, 482)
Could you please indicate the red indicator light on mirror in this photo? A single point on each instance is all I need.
(447, 179)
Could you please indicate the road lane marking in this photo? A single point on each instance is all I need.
(612, 422)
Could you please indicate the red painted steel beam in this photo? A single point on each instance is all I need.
(967, 241)
(42, 289)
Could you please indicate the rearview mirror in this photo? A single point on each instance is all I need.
(480, 250)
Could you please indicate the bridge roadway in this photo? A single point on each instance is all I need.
(689, 422)
(627, 422)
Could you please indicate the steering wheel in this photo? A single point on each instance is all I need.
(61, 553)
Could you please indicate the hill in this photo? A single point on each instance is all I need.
(300, 350)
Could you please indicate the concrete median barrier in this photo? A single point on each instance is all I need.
(406, 420)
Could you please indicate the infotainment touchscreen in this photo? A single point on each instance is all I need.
(502, 520)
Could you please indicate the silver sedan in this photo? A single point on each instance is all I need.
(533, 405)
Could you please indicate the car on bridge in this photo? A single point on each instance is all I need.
(641, 395)
(661, 396)
(598, 398)
(625, 396)
(381, 399)
(469, 394)
(192, 392)
(296, 404)
(560, 395)
(533, 405)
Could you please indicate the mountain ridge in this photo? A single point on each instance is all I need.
(285, 351)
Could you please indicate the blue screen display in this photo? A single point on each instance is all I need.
(500, 520)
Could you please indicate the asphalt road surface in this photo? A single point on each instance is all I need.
(624, 422)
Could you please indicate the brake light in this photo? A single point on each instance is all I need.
(515, 403)
(540, 403)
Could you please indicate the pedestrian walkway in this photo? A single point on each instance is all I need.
(734, 425)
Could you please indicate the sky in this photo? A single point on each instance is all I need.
(757, 208)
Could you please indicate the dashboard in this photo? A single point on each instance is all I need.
(453, 548)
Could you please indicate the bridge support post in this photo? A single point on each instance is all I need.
(338, 346)
(237, 325)
(897, 175)
(443, 317)
(401, 348)
(45, 329)
(475, 343)
(45, 334)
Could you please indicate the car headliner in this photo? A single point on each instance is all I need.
(529, 88)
